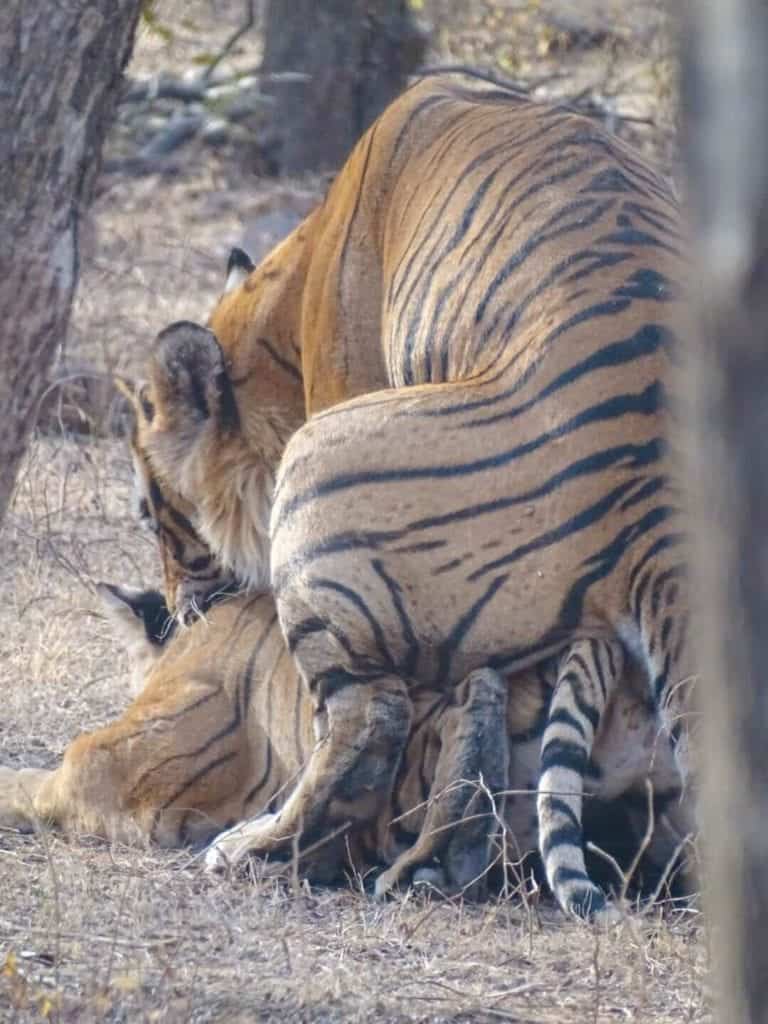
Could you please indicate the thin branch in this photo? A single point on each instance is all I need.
(246, 26)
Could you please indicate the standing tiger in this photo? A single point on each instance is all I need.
(509, 273)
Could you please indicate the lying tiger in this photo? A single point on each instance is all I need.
(509, 273)
(221, 729)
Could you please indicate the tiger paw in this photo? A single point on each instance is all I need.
(387, 882)
(589, 904)
(423, 877)
(233, 846)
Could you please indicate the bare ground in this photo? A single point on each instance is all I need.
(95, 932)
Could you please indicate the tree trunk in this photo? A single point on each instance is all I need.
(726, 102)
(357, 55)
(60, 71)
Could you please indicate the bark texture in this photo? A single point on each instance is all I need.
(726, 113)
(357, 55)
(60, 71)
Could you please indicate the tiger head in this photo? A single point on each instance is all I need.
(219, 405)
(193, 578)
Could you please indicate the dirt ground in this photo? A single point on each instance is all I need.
(93, 932)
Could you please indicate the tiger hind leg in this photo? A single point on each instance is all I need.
(588, 674)
(464, 800)
(365, 726)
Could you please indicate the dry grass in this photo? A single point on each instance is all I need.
(146, 937)
(93, 932)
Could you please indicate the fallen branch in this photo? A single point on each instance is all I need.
(164, 87)
(168, 87)
(182, 126)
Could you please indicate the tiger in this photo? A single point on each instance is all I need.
(488, 293)
(222, 727)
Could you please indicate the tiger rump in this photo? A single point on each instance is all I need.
(461, 580)
(511, 274)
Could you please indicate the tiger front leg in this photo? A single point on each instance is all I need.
(348, 778)
(465, 804)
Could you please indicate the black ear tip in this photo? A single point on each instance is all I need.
(239, 260)
(181, 328)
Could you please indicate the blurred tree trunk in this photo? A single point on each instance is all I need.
(357, 55)
(60, 72)
(726, 103)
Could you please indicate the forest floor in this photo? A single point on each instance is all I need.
(96, 932)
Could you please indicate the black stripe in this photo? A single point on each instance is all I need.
(589, 711)
(450, 645)
(408, 665)
(544, 234)
(634, 238)
(560, 753)
(669, 540)
(647, 490)
(659, 684)
(440, 214)
(645, 403)
(303, 629)
(191, 781)
(566, 835)
(281, 361)
(419, 109)
(675, 572)
(581, 521)
(332, 680)
(557, 806)
(605, 562)
(565, 717)
(357, 601)
(635, 457)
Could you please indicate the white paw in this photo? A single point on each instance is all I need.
(608, 917)
(430, 875)
(229, 848)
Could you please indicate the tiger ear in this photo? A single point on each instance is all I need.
(189, 377)
(239, 267)
(136, 615)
